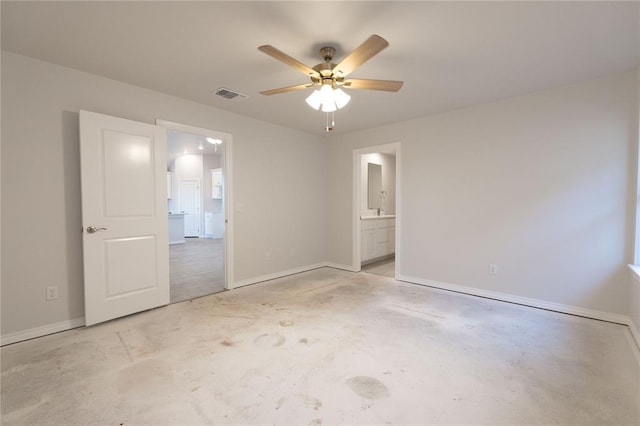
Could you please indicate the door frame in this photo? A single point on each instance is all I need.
(357, 191)
(227, 198)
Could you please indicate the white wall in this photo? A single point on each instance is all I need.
(537, 184)
(634, 281)
(543, 185)
(172, 204)
(215, 206)
(210, 161)
(389, 182)
(41, 211)
(189, 167)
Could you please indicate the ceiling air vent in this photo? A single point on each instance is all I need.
(229, 94)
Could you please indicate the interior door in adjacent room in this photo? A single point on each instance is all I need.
(190, 206)
(124, 215)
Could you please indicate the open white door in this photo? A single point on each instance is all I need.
(124, 215)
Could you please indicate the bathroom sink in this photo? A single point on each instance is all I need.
(382, 216)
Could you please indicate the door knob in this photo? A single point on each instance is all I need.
(93, 229)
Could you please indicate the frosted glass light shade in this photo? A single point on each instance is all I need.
(329, 106)
(314, 100)
(328, 99)
(341, 98)
(326, 93)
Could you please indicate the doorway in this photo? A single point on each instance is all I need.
(198, 167)
(376, 206)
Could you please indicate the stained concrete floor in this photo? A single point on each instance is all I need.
(328, 347)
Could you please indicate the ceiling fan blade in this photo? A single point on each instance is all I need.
(367, 50)
(283, 57)
(285, 89)
(385, 85)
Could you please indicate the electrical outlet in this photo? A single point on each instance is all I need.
(493, 269)
(267, 256)
(52, 293)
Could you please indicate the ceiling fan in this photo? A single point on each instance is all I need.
(329, 74)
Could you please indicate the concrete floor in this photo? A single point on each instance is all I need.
(328, 347)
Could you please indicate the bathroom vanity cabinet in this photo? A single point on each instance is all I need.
(378, 239)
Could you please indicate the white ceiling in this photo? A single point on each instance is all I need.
(180, 143)
(449, 54)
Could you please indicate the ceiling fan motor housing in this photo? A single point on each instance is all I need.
(325, 69)
(327, 53)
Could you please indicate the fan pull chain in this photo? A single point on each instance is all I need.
(328, 128)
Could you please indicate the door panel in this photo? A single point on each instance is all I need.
(128, 174)
(126, 260)
(368, 244)
(130, 265)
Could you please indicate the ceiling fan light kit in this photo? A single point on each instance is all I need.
(328, 99)
(331, 77)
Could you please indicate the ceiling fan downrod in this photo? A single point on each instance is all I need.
(325, 69)
(327, 53)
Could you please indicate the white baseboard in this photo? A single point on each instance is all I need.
(340, 266)
(32, 333)
(44, 330)
(280, 274)
(536, 303)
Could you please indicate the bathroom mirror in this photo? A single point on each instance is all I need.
(374, 185)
